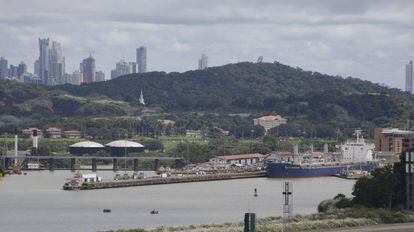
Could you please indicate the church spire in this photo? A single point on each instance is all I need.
(141, 98)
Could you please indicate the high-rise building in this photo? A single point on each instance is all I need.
(88, 70)
(29, 78)
(409, 76)
(21, 69)
(123, 68)
(99, 76)
(36, 68)
(3, 68)
(57, 64)
(44, 69)
(75, 78)
(142, 59)
(12, 71)
(203, 62)
(133, 67)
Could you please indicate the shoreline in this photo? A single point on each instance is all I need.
(343, 219)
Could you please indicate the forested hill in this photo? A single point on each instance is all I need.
(259, 88)
(230, 87)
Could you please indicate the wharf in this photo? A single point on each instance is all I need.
(171, 180)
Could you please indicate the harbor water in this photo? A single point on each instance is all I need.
(36, 202)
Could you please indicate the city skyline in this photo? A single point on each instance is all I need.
(367, 40)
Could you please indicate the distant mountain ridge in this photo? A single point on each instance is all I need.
(243, 87)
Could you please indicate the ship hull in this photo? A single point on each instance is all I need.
(285, 170)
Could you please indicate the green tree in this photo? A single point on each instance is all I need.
(385, 189)
(196, 153)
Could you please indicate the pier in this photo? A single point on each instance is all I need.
(171, 180)
(8, 161)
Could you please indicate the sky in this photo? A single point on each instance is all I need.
(371, 40)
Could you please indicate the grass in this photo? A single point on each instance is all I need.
(170, 142)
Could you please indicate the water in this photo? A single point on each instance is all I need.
(36, 202)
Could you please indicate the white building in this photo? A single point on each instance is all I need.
(99, 76)
(357, 151)
(409, 76)
(75, 78)
(57, 65)
(203, 62)
(194, 133)
(270, 121)
(141, 98)
(123, 68)
(242, 159)
(44, 69)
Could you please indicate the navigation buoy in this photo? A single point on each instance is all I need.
(255, 192)
(106, 210)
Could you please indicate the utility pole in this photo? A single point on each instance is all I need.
(287, 205)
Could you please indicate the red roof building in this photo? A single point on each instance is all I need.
(54, 132)
(29, 131)
(269, 121)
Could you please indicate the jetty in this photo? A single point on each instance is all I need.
(170, 180)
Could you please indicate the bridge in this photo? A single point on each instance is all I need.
(8, 161)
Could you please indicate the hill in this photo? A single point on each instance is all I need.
(304, 97)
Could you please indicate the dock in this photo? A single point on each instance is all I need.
(171, 180)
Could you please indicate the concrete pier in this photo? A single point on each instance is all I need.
(171, 180)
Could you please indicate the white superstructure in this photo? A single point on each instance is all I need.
(357, 151)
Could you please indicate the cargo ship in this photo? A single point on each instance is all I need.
(353, 156)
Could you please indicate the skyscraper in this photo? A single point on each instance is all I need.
(409, 76)
(57, 64)
(99, 76)
(12, 71)
(36, 68)
(123, 68)
(75, 78)
(142, 59)
(44, 69)
(3, 67)
(21, 69)
(203, 62)
(88, 69)
(133, 67)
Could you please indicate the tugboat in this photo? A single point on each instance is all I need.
(76, 182)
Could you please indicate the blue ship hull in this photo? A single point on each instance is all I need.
(286, 170)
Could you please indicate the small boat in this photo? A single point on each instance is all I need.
(154, 211)
(106, 210)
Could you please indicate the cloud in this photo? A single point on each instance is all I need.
(367, 39)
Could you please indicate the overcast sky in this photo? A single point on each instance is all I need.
(371, 40)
